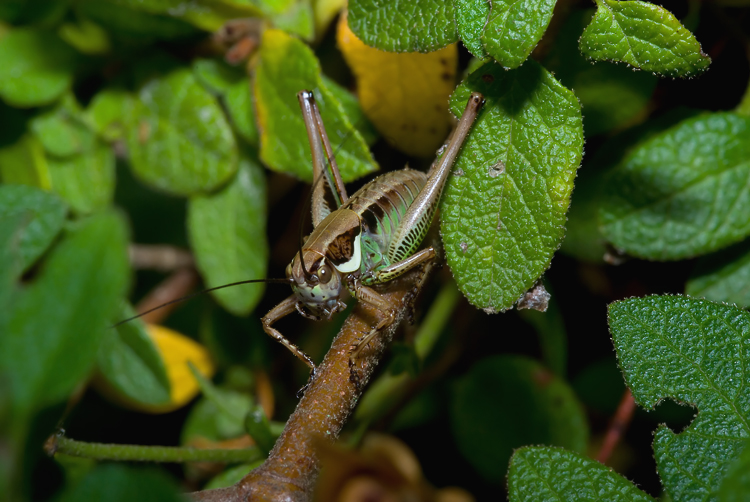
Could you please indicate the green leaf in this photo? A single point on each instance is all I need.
(471, 18)
(12, 227)
(43, 216)
(645, 36)
(36, 67)
(129, 361)
(24, 163)
(209, 15)
(218, 418)
(239, 103)
(545, 410)
(417, 26)
(120, 483)
(228, 237)
(85, 181)
(234, 87)
(78, 289)
(676, 196)
(735, 486)
(107, 111)
(62, 130)
(696, 352)
(297, 19)
(539, 473)
(503, 212)
(178, 137)
(611, 95)
(723, 276)
(514, 28)
(584, 239)
(285, 67)
(352, 110)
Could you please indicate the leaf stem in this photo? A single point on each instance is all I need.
(137, 453)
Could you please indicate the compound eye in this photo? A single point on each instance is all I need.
(324, 274)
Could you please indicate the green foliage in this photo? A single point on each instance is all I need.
(645, 36)
(676, 195)
(228, 234)
(179, 139)
(545, 410)
(662, 343)
(538, 473)
(36, 67)
(503, 215)
(514, 28)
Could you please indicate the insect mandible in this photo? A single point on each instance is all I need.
(370, 238)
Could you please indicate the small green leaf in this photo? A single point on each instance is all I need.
(86, 36)
(285, 67)
(514, 28)
(239, 103)
(36, 67)
(43, 217)
(696, 352)
(416, 26)
(676, 196)
(120, 483)
(79, 286)
(735, 486)
(545, 410)
(471, 18)
(611, 95)
(129, 361)
(218, 418)
(297, 19)
(540, 473)
(503, 212)
(62, 131)
(24, 163)
(643, 35)
(107, 111)
(228, 235)
(178, 137)
(723, 276)
(85, 181)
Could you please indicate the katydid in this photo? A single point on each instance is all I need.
(369, 239)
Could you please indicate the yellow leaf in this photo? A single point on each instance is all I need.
(405, 95)
(176, 351)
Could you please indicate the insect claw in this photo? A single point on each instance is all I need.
(310, 380)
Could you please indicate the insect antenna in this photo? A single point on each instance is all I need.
(203, 291)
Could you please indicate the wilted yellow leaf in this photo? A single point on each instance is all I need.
(176, 351)
(405, 95)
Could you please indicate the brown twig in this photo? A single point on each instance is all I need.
(160, 257)
(291, 470)
(617, 426)
(177, 285)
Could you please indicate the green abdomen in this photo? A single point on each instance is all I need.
(381, 205)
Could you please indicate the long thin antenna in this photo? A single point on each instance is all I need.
(193, 295)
